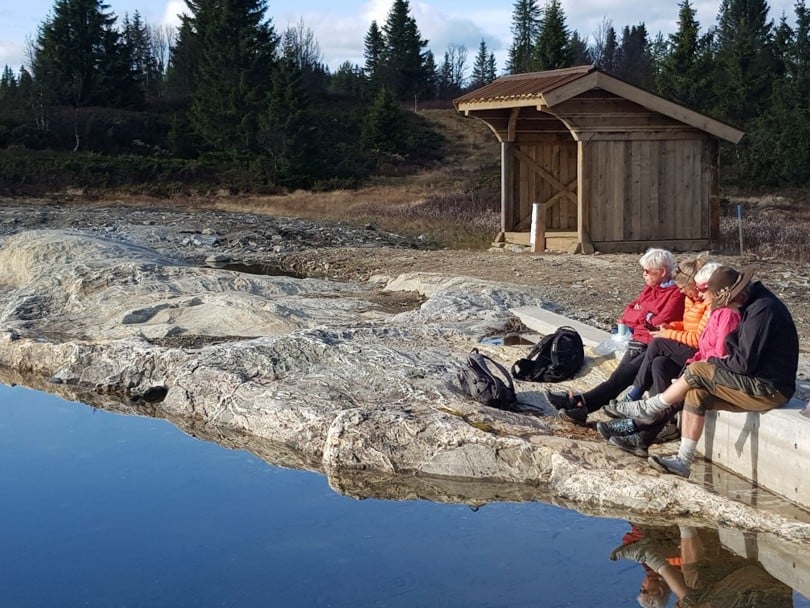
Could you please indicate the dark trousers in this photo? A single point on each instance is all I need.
(620, 379)
(663, 361)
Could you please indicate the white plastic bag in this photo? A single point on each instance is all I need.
(616, 344)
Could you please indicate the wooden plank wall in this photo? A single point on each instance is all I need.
(559, 159)
(648, 190)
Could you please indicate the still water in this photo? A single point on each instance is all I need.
(100, 509)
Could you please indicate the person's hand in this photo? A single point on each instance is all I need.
(657, 333)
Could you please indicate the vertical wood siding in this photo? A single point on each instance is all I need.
(643, 190)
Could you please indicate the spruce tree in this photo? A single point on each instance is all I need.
(404, 72)
(384, 127)
(373, 52)
(525, 29)
(634, 59)
(743, 61)
(580, 53)
(237, 57)
(552, 49)
(77, 58)
(483, 70)
(144, 61)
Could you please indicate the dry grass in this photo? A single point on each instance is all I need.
(776, 226)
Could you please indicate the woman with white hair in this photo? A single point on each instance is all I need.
(659, 302)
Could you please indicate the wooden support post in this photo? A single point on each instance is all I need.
(507, 189)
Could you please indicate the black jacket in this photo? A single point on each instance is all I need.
(765, 345)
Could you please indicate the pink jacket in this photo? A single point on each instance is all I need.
(712, 342)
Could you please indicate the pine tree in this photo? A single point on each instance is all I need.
(404, 72)
(525, 29)
(8, 84)
(230, 86)
(607, 50)
(552, 49)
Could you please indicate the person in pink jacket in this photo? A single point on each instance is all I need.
(634, 433)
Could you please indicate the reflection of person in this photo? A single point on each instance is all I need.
(636, 435)
(654, 591)
(709, 575)
(758, 374)
(659, 302)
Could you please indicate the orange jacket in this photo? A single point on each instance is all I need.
(695, 317)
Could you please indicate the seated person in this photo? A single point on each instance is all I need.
(659, 302)
(636, 435)
(678, 342)
(757, 375)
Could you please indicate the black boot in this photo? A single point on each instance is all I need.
(563, 401)
(617, 428)
(636, 444)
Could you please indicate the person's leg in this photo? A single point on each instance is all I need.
(619, 380)
(644, 378)
(669, 364)
(709, 387)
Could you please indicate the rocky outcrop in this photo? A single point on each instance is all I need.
(317, 374)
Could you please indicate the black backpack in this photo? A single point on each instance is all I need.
(555, 357)
(481, 384)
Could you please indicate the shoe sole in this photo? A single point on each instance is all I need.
(608, 409)
(565, 415)
(640, 452)
(662, 468)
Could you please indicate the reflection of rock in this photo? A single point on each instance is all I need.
(317, 374)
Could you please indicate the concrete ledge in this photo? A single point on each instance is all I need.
(546, 322)
(771, 449)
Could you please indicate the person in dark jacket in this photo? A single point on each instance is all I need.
(757, 375)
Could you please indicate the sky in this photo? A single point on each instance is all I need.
(339, 26)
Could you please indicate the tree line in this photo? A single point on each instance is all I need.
(227, 96)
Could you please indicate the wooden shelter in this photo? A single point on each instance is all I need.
(600, 163)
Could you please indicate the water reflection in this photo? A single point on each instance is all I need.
(698, 570)
(102, 510)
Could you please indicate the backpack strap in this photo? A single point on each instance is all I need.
(475, 355)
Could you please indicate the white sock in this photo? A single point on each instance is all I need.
(654, 404)
(686, 451)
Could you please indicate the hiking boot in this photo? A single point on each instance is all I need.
(642, 551)
(630, 443)
(670, 464)
(577, 415)
(561, 401)
(614, 428)
(612, 410)
(631, 409)
(670, 432)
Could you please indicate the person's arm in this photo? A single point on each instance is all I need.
(634, 312)
(668, 307)
(745, 347)
(726, 321)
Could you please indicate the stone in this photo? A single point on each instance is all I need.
(314, 374)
